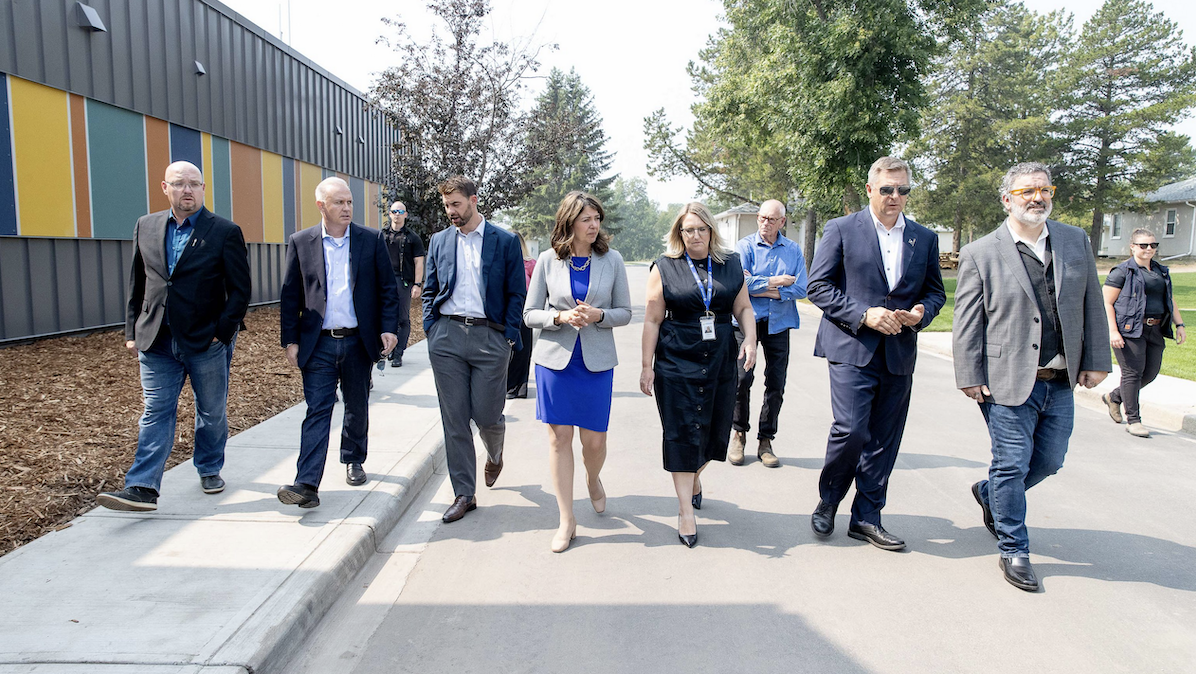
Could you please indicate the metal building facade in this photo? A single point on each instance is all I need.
(97, 97)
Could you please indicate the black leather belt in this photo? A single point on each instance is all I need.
(1049, 373)
(470, 320)
(1153, 321)
(694, 317)
(339, 333)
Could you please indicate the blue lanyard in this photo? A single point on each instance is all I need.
(707, 288)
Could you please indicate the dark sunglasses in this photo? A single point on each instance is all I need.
(887, 190)
(397, 211)
(1144, 246)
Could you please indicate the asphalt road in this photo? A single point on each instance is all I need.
(1113, 538)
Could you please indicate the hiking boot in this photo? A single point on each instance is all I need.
(764, 452)
(735, 452)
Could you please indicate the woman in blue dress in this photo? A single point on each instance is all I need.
(578, 294)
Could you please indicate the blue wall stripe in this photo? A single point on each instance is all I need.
(288, 198)
(357, 187)
(8, 187)
(222, 191)
(186, 145)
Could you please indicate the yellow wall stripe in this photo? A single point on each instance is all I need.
(309, 177)
(205, 144)
(42, 154)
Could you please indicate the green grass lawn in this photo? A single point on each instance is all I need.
(1178, 361)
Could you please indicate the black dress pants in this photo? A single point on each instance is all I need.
(404, 318)
(1140, 360)
(776, 369)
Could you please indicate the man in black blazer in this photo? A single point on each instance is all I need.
(473, 306)
(876, 278)
(189, 289)
(339, 313)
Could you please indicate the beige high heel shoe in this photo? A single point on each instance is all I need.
(561, 543)
(599, 503)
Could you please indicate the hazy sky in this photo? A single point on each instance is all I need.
(630, 53)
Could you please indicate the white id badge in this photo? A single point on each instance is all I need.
(707, 323)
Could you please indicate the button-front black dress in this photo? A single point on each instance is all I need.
(695, 379)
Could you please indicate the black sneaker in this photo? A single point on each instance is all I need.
(136, 499)
(212, 484)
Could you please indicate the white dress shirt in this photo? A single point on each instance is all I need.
(466, 298)
(891, 243)
(338, 308)
(1059, 362)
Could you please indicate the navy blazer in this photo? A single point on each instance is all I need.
(205, 297)
(847, 278)
(304, 295)
(503, 280)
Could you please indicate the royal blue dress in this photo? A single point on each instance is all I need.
(575, 396)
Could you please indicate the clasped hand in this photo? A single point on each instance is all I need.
(581, 316)
(888, 322)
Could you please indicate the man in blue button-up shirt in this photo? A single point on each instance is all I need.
(775, 274)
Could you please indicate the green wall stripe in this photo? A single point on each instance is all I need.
(116, 154)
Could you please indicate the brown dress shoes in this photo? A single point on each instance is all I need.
(460, 506)
(492, 471)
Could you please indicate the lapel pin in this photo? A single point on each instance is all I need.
(911, 241)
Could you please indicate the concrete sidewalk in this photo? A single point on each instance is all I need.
(1168, 403)
(224, 583)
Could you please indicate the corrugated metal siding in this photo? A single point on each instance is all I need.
(59, 285)
(257, 91)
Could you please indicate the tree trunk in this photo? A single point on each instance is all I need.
(851, 200)
(811, 234)
(1098, 197)
(957, 231)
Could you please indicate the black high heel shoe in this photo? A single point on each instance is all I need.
(697, 502)
(689, 540)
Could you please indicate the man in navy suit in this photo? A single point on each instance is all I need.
(473, 306)
(876, 278)
(188, 291)
(340, 313)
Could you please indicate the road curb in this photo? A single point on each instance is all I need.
(278, 627)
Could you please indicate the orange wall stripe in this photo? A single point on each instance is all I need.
(80, 166)
(157, 158)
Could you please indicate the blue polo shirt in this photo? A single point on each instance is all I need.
(760, 261)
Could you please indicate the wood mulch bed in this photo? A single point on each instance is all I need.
(68, 418)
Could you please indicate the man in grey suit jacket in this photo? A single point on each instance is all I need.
(1029, 325)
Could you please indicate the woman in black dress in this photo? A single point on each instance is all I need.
(688, 352)
(1141, 308)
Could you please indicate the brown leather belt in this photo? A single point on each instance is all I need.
(470, 320)
(1049, 373)
(1153, 321)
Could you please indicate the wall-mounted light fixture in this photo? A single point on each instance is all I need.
(199, 69)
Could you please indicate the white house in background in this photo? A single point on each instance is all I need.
(735, 223)
(1171, 215)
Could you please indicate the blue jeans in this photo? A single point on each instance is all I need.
(334, 359)
(1029, 442)
(164, 367)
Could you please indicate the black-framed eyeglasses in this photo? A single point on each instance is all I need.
(1152, 245)
(398, 211)
(887, 190)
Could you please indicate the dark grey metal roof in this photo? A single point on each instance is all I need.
(1184, 190)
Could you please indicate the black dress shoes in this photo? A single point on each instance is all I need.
(212, 484)
(300, 495)
(354, 474)
(1019, 573)
(689, 540)
(460, 506)
(876, 535)
(823, 519)
(988, 514)
(696, 502)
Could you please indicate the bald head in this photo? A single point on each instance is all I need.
(183, 187)
(771, 219)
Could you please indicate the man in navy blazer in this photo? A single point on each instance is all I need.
(339, 314)
(473, 306)
(876, 278)
(189, 289)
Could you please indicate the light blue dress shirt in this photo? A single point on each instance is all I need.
(177, 236)
(338, 309)
(761, 261)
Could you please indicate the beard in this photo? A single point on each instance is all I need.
(1033, 213)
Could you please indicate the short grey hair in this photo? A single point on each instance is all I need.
(326, 184)
(888, 163)
(1026, 168)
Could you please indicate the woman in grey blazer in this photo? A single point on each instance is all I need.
(578, 293)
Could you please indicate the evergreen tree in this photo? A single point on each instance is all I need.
(565, 129)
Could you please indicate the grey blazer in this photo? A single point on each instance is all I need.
(997, 322)
(550, 291)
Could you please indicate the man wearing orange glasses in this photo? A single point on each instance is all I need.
(1029, 325)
